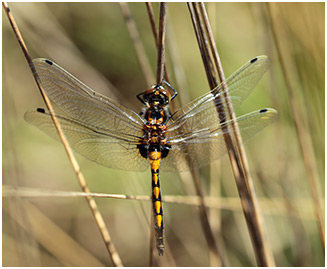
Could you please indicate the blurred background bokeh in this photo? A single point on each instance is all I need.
(92, 42)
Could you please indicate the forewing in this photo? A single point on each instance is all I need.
(202, 111)
(113, 149)
(201, 146)
(84, 104)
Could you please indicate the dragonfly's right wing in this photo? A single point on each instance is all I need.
(194, 131)
(113, 149)
(203, 110)
(193, 149)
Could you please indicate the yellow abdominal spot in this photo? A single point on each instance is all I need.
(155, 178)
(155, 164)
(156, 192)
(157, 205)
(159, 220)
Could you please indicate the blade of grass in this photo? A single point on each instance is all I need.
(97, 216)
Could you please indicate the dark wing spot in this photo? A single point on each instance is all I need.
(253, 60)
(49, 62)
(263, 110)
(41, 110)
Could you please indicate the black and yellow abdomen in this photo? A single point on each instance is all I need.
(155, 157)
(153, 146)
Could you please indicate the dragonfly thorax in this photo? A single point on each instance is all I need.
(154, 133)
(155, 115)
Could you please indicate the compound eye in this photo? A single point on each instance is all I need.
(166, 95)
(147, 94)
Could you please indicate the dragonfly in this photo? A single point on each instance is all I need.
(115, 136)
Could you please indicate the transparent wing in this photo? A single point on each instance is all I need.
(109, 148)
(84, 104)
(199, 147)
(202, 111)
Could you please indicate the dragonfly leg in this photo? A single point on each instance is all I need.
(171, 87)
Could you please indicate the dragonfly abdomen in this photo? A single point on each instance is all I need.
(155, 157)
(153, 145)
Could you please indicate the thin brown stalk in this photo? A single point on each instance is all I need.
(155, 35)
(274, 206)
(97, 216)
(245, 182)
(8, 191)
(234, 144)
(140, 51)
(161, 43)
(214, 253)
(305, 142)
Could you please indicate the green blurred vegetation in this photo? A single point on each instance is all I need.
(91, 41)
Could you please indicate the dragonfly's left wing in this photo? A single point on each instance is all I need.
(192, 148)
(82, 103)
(98, 127)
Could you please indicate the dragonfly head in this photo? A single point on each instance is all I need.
(157, 96)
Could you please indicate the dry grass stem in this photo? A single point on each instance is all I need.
(244, 182)
(161, 43)
(234, 144)
(271, 206)
(214, 252)
(155, 35)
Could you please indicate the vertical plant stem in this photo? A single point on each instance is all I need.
(161, 43)
(234, 144)
(214, 252)
(244, 181)
(95, 212)
(155, 35)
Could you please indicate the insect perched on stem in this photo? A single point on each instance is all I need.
(114, 136)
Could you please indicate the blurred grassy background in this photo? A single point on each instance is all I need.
(91, 41)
